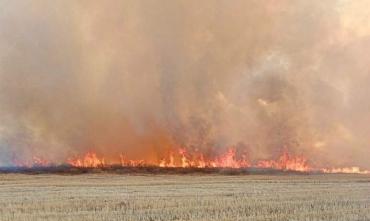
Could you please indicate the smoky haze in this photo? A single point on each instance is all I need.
(144, 77)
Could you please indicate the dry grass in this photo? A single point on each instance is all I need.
(184, 197)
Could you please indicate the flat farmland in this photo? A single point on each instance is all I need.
(184, 197)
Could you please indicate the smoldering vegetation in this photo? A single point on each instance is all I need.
(144, 77)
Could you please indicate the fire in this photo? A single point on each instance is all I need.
(130, 163)
(227, 160)
(171, 163)
(202, 163)
(89, 160)
(184, 159)
(346, 170)
(286, 162)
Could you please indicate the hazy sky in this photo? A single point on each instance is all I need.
(142, 77)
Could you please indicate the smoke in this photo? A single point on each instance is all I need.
(143, 77)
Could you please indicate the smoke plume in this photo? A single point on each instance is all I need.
(142, 77)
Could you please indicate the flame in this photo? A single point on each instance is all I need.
(201, 162)
(286, 162)
(89, 160)
(171, 162)
(227, 160)
(184, 159)
(346, 170)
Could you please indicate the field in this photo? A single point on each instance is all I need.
(184, 197)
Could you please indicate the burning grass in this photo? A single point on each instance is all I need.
(189, 162)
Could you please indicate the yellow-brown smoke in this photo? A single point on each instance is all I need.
(145, 76)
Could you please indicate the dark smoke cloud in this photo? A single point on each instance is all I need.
(142, 77)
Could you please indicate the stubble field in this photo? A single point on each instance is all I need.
(184, 197)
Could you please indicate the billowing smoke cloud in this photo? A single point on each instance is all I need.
(143, 77)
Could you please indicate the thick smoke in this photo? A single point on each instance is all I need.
(144, 77)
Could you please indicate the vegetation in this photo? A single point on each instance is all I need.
(184, 197)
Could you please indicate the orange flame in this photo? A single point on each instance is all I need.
(346, 170)
(228, 160)
(184, 159)
(89, 160)
(286, 162)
